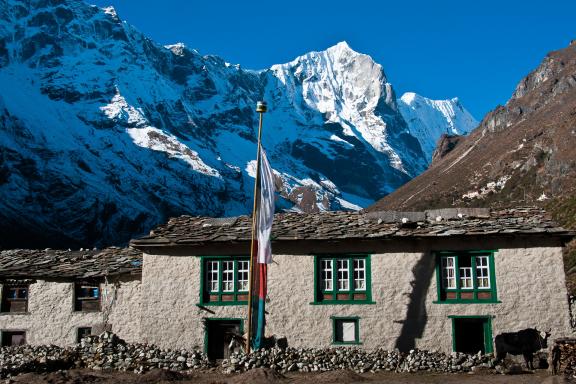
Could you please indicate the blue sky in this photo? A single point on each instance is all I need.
(476, 50)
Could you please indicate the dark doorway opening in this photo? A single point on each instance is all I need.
(219, 335)
(472, 334)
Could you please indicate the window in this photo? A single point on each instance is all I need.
(13, 338)
(466, 277)
(343, 279)
(86, 297)
(224, 280)
(345, 330)
(14, 298)
(83, 332)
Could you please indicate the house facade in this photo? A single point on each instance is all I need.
(447, 280)
(57, 297)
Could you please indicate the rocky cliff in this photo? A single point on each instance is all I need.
(521, 153)
(104, 133)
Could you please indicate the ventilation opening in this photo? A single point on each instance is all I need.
(13, 338)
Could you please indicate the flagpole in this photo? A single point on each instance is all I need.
(261, 108)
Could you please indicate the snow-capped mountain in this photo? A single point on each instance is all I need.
(429, 119)
(104, 133)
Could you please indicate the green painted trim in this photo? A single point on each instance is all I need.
(222, 304)
(492, 273)
(492, 268)
(316, 286)
(356, 319)
(208, 319)
(202, 283)
(437, 261)
(203, 277)
(486, 329)
(369, 278)
(342, 302)
(345, 317)
(488, 343)
(460, 301)
(350, 292)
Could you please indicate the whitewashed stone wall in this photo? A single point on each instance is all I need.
(170, 292)
(51, 318)
(530, 284)
(162, 308)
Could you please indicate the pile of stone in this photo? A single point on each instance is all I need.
(104, 352)
(567, 348)
(320, 360)
(23, 359)
(108, 352)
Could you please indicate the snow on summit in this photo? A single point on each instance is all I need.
(428, 119)
(109, 134)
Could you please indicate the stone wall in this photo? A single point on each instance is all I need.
(51, 318)
(163, 308)
(530, 284)
(170, 292)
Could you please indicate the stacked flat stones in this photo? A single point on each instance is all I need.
(83, 263)
(24, 359)
(357, 360)
(104, 352)
(108, 352)
(188, 230)
(567, 356)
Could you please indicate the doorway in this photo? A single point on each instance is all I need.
(219, 335)
(472, 334)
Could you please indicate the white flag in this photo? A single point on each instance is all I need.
(266, 211)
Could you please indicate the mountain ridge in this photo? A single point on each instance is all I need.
(104, 133)
(521, 153)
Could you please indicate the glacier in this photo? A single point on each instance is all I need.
(105, 133)
(428, 119)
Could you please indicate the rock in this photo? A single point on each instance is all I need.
(107, 351)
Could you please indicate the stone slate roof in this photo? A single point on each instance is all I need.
(32, 263)
(188, 230)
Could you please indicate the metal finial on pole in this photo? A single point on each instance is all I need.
(261, 108)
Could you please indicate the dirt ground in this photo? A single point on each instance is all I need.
(267, 376)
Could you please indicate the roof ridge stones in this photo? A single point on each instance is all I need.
(68, 264)
(289, 226)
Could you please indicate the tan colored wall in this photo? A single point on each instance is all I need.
(530, 284)
(51, 318)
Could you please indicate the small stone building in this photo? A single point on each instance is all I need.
(56, 297)
(447, 280)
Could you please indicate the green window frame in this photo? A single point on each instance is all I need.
(224, 280)
(466, 277)
(338, 330)
(342, 279)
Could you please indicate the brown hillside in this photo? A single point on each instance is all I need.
(522, 153)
